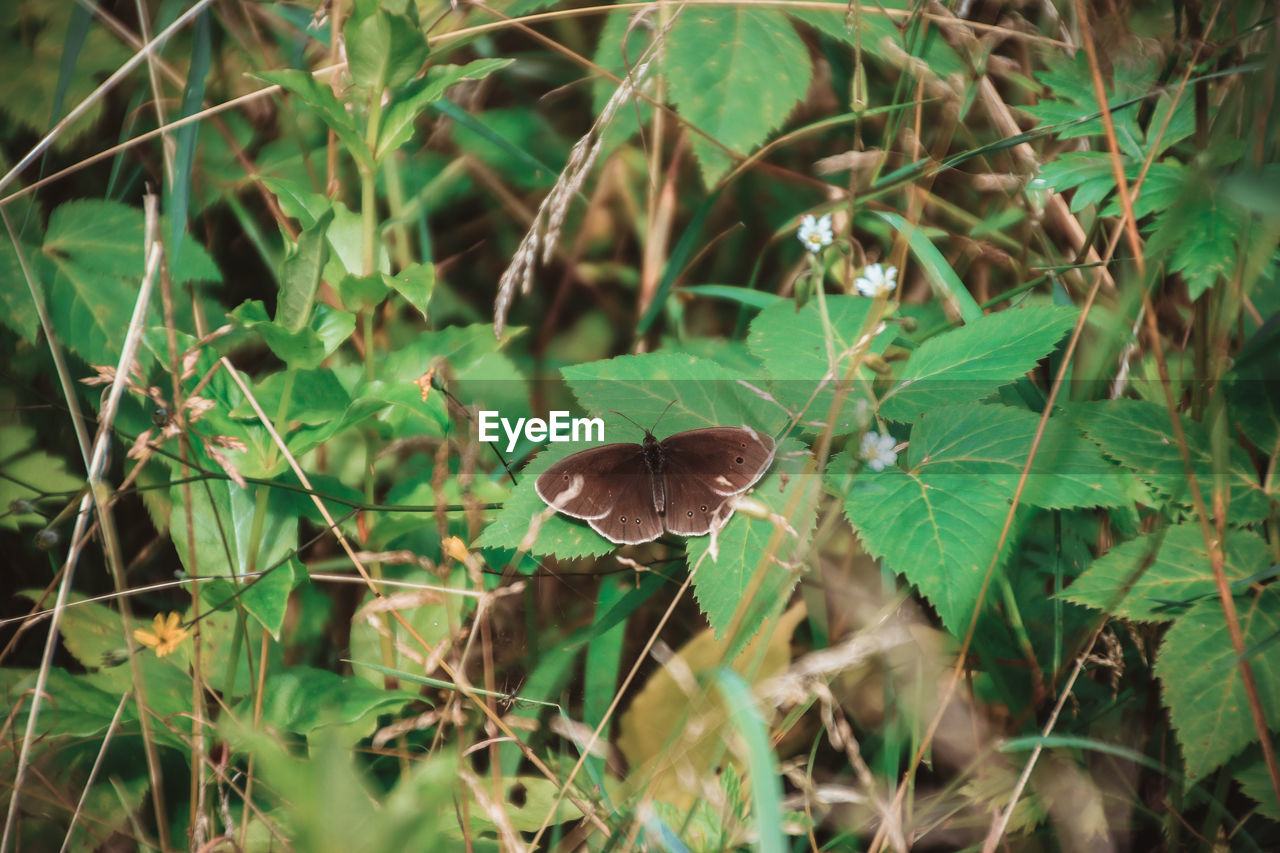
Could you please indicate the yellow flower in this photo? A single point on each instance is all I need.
(165, 636)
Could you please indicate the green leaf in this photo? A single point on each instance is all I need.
(883, 37)
(315, 396)
(83, 708)
(1138, 434)
(322, 100)
(91, 632)
(991, 444)
(743, 546)
(939, 531)
(435, 616)
(102, 236)
(1174, 567)
(1200, 234)
(383, 50)
(35, 43)
(306, 348)
(973, 361)
(735, 73)
(302, 699)
(300, 275)
(415, 283)
(701, 393)
(741, 295)
(804, 366)
(1201, 684)
(345, 233)
(762, 763)
(409, 102)
(223, 515)
(17, 310)
(29, 473)
(1256, 783)
(192, 102)
(363, 292)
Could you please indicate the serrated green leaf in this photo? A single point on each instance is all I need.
(1200, 234)
(300, 275)
(991, 444)
(409, 102)
(939, 531)
(620, 59)
(92, 262)
(34, 43)
(803, 365)
(1138, 434)
(92, 632)
(735, 73)
(700, 392)
(1144, 578)
(1201, 683)
(973, 361)
(881, 36)
(1256, 783)
(102, 236)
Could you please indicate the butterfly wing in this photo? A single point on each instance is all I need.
(609, 486)
(634, 519)
(606, 473)
(704, 468)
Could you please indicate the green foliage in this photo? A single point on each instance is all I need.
(1157, 576)
(1201, 682)
(735, 73)
(973, 361)
(322, 333)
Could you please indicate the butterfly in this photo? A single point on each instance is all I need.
(629, 493)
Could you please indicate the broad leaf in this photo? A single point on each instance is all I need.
(1201, 683)
(807, 355)
(1158, 575)
(973, 361)
(735, 73)
(1138, 435)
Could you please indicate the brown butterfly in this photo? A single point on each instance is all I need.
(685, 483)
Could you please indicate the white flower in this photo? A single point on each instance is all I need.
(815, 233)
(876, 280)
(877, 450)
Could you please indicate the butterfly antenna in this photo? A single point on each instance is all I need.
(664, 411)
(619, 414)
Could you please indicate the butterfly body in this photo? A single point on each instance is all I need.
(629, 493)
